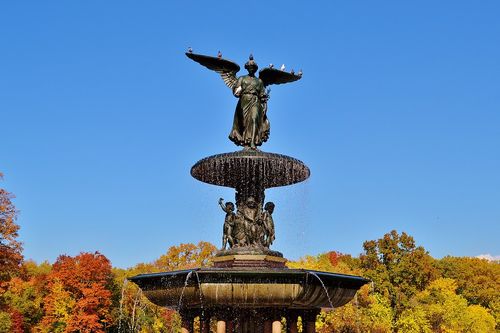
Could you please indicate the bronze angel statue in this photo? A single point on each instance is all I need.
(250, 125)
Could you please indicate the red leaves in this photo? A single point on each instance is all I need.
(10, 248)
(80, 296)
(17, 322)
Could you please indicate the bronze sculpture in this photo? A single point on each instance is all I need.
(227, 233)
(267, 219)
(251, 125)
(249, 227)
(249, 289)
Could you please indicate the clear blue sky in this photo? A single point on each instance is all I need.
(397, 116)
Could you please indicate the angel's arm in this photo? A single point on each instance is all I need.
(237, 87)
(221, 204)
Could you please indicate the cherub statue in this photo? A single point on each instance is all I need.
(250, 125)
(267, 218)
(229, 221)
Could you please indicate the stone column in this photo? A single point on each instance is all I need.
(221, 326)
(229, 326)
(268, 326)
(204, 324)
(291, 322)
(309, 321)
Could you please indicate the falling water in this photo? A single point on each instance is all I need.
(324, 287)
(199, 288)
(356, 304)
(124, 285)
(137, 300)
(179, 304)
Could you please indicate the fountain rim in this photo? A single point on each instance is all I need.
(253, 272)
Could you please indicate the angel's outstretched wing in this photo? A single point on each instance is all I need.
(226, 68)
(270, 76)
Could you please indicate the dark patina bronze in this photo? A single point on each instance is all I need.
(251, 125)
(249, 289)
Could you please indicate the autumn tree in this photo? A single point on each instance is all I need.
(445, 311)
(397, 267)
(79, 297)
(135, 313)
(477, 280)
(10, 248)
(373, 314)
(10, 260)
(186, 256)
(332, 261)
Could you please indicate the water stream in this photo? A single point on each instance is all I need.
(324, 288)
(124, 286)
(199, 288)
(179, 304)
(356, 304)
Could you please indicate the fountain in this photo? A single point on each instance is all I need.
(249, 289)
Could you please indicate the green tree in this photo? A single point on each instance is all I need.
(398, 268)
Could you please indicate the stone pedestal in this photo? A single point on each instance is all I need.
(249, 261)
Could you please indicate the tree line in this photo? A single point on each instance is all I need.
(410, 292)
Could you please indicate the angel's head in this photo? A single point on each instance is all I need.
(251, 65)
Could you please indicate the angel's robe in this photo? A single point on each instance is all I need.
(250, 125)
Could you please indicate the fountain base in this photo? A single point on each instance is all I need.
(249, 261)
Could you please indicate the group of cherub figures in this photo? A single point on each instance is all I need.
(250, 226)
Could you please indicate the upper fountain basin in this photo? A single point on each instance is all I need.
(238, 169)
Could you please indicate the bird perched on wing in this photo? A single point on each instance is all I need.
(271, 66)
(282, 67)
(292, 72)
(190, 50)
(219, 54)
(300, 72)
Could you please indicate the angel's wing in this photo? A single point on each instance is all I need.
(226, 68)
(270, 76)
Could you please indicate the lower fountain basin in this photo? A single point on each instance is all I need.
(260, 288)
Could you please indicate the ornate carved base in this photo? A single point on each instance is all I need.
(249, 261)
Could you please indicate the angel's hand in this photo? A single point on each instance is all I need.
(237, 92)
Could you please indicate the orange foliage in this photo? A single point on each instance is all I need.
(16, 319)
(10, 248)
(186, 256)
(79, 299)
